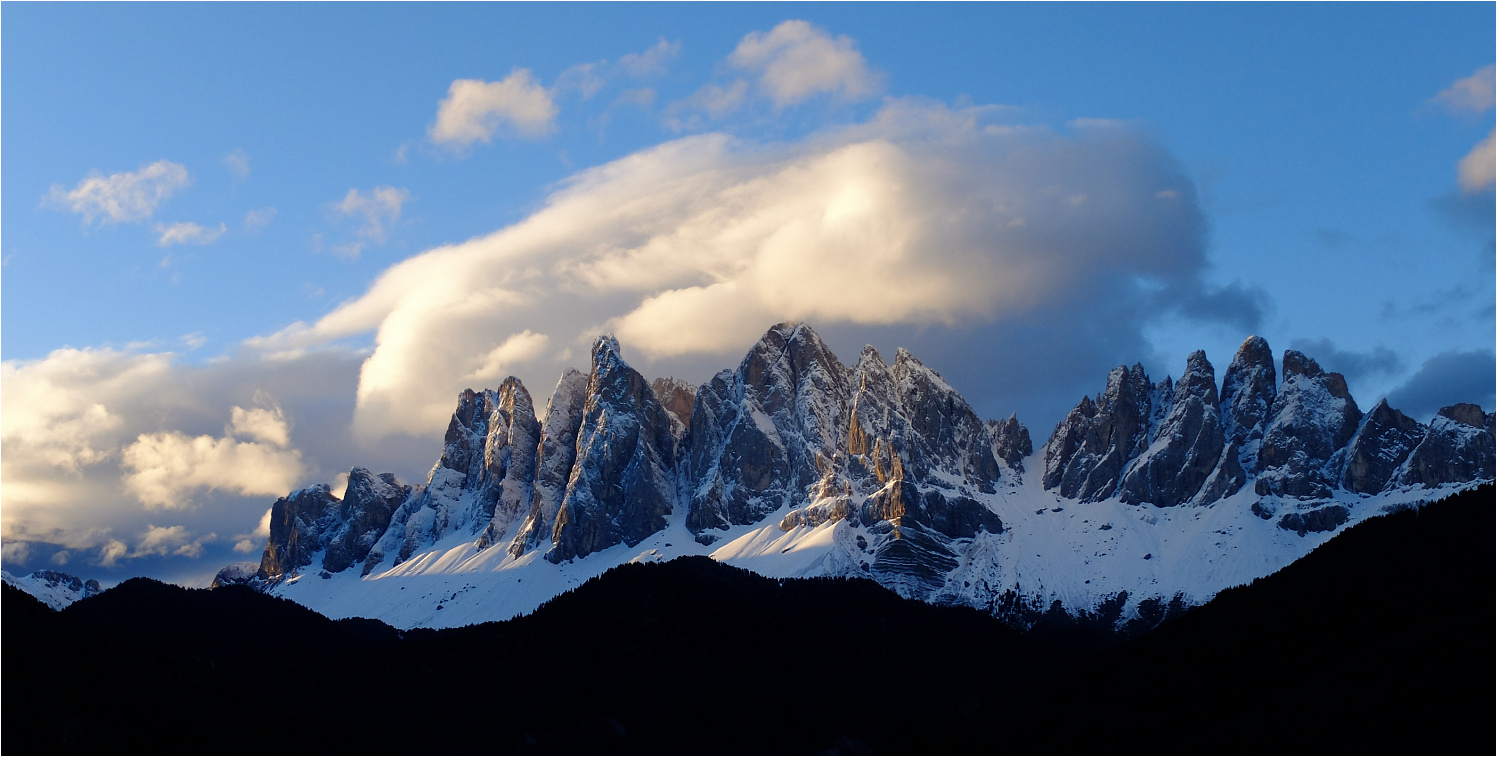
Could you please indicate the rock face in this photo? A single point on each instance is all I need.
(761, 435)
(510, 459)
(296, 524)
(312, 521)
(239, 574)
(1248, 391)
(1380, 446)
(1011, 443)
(1187, 442)
(554, 459)
(1086, 455)
(677, 397)
(1456, 448)
(621, 487)
(1310, 420)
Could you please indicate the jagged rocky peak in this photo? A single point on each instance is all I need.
(363, 515)
(621, 487)
(1011, 442)
(54, 588)
(677, 397)
(555, 455)
(295, 533)
(1187, 447)
(763, 434)
(509, 458)
(944, 432)
(1380, 446)
(1311, 419)
(1248, 391)
(1087, 452)
(1457, 447)
(313, 521)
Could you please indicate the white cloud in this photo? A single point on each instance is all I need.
(1476, 172)
(475, 110)
(258, 218)
(263, 424)
(166, 467)
(519, 349)
(690, 249)
(1474, 94)
(584, 78)
(379, 210)
(187, 233)
(121, 197)
(13, 552)
(238, 163)
(652, 61)
(57, 412)
(112, 552)
(796, 61)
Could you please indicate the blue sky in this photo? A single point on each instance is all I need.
(218, 220)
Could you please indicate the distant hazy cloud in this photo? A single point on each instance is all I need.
(258, 218)
(238, 163)
(379, 210)
(587, 79)
(187, 233)
(475, 110)
(652, 61)
(1446, 379)
(1473, 94)
(688, 250)
(121, 197)
(1476, 173)
(796, 60)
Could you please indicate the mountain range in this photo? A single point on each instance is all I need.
(1378, 642)
(1147, 498)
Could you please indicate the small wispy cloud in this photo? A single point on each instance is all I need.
(1473, 94)
(379, 210)
(121, 197)
(238, 163)
(187, 233)
(258, 218)
(1477, 172)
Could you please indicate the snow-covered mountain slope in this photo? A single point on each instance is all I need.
(54, 588)
(1147, 497)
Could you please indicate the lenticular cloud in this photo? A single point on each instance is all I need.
(923, 215)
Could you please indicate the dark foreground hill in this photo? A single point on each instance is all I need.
(1381, 641)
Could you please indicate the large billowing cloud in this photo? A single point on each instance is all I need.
(923, 216)
(114, 459)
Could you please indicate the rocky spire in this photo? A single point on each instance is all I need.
(555, 456)
(756, 432)
(1311, 419)
(1187, 445)
(1248, 390)
(1380, 446)
(1086, 455)
(621, 487)
(509, 458)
